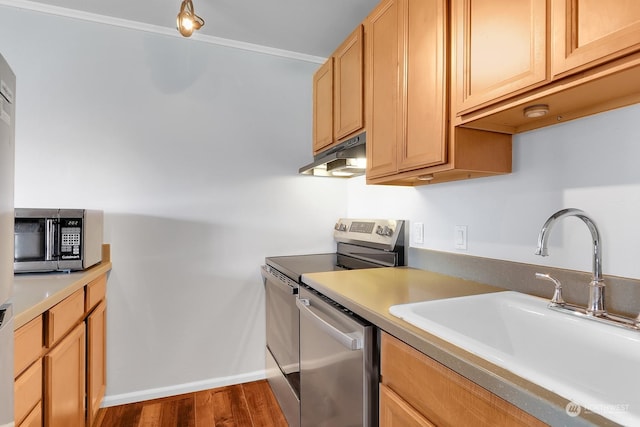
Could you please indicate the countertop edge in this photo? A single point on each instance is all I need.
(530, 397)
(77, 281)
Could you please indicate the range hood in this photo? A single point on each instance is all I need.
(345, 160)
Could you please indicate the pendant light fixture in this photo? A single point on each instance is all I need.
(187, 20)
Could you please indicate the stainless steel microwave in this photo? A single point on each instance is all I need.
(57, 239)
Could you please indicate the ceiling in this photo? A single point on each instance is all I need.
(311, 27)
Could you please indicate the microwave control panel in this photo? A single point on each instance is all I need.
(70, 238)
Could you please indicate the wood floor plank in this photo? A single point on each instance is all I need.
(122, 416)
(230, 407)
(263, 406)
(204, 409)
(150, 415)
(241, 414)
(186, 412)
(241, 405)
(177, 412)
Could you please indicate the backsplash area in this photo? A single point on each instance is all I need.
(589, 164)
(622, 295)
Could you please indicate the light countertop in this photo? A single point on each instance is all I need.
(35, 293)
(370, 292)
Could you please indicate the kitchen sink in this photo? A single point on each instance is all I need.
(594, 365)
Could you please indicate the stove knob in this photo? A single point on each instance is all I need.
(384, 231)
(340, 227)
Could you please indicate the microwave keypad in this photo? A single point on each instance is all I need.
(71, 240)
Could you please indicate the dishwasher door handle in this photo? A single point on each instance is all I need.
(347, 340)
(284, 286)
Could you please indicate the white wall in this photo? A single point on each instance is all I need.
(590, 164)
(192, 151)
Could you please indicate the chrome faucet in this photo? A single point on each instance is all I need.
(595, 306)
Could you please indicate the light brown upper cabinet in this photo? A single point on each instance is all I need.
(409, 138)
(348, 114)
(406, 86)
(500, 49)
(590, 32)
(323, 107)
(573, 57)
(338, 94)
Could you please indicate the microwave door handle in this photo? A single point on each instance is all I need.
(348, 341)
(50, 239)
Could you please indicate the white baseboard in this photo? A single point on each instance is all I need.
(156, 393)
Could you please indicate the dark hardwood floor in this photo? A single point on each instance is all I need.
(250, 404)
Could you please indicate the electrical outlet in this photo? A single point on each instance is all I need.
(460, 237)
(418, 233)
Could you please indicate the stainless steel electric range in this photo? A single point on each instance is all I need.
(321, 358)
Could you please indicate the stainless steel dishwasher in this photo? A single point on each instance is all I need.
(361, 243)
(338, 364)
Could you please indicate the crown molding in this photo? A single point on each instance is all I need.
(156, 29)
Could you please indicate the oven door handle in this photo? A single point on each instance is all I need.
(347, 340)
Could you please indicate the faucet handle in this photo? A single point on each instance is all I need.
(557, 293)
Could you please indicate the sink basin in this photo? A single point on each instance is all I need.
(594, 365)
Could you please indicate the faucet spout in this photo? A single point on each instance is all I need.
(596, 293)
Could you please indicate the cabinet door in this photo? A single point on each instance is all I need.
(96, 360)
(589, 32)
(28, 391)
(382, 30)
(64, 389)
(348, 86)
(423, 84)
(323, 106)
(441, 395)
(500, 48)
(395, 412)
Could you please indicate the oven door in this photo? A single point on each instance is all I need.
(283, 338)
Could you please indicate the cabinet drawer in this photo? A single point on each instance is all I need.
(28, 390)
(96, 292)
(63, 316)
(442, 395)
(34, 419)
(27, 345)
(396, 412)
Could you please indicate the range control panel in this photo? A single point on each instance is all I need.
(380, 232)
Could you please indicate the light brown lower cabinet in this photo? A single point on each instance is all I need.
(34, 419)
(96, 360)
(64, 373)
(418, 391)
(395, 412)
(28, 395)
(60, 361)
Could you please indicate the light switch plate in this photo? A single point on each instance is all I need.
(418, 233)
(460, 237)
